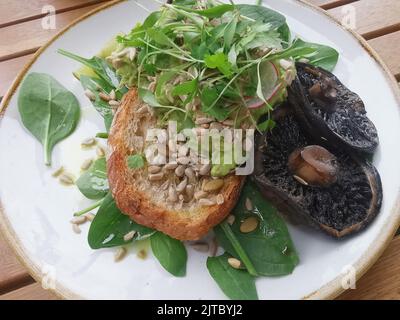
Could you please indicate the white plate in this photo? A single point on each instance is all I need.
(36, 209)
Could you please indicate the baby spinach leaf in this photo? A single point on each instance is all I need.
(102, 107)
(323, 56)
(269, 247)
(269, 16)
(110, 226)
(135, 161)
(48, 110)
(171, 253)
(213, 12)
(99, 66)
(236, 284)
(93, 183)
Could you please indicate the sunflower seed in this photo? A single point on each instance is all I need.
(200, 121)
(142, 254)
(114, 103)
(205, 170)
(90, 216)
(181, 186)
(112, 95)
(190, 191)
(120, 254)
(216, 126)
(117, 63)
(213, 185)
(67, 179)
(206, 202)
(190, 174)
(180, 171)
(79, 220)
(231, 219)
(234, 263)
(58, 172)
(304, 60)
(122, 53)
(200, 195)
(152, 87)
(249, 225)
(301, 180)
(86, 164)
(76, 228)
(90, 95)
(285, 64)
(165, 185)
(249, 204)
(132, 53)
(172, 195)
(89, 142)
(171, 166)
(154, 169)
(156, 177)
(129, 236)
(220, 199)
(105, 97)
(200, 246)
(142, 109)
(229, 123)
(100, 152)
(183, 160)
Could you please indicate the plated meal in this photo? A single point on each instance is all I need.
(222, 127)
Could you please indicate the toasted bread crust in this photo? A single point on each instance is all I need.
(187, 224)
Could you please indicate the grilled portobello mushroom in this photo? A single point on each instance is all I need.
(330, 112)
(328, 189)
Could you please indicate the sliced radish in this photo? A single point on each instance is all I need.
(269, 75)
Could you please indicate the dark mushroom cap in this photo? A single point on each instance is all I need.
(329, 110)
(345, 207)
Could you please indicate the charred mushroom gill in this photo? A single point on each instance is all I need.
(329, 110)
(330, 190)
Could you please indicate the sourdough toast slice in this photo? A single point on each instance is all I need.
(145, 201)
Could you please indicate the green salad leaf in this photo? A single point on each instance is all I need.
(323, 56)
(110, 226)
(269, 248)
(48, 110)
(236, 284)
(93, 183)
(102, 107)
(98, 65)
(171, 253)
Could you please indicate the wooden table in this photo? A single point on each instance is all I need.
(21, 34)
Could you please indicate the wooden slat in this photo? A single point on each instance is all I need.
(27, 37)
(383, 280)
(13, 12)
(328, 4)
(9, 70)
(374, 18)
(31, 292)
(12, 273)
(388, 48)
